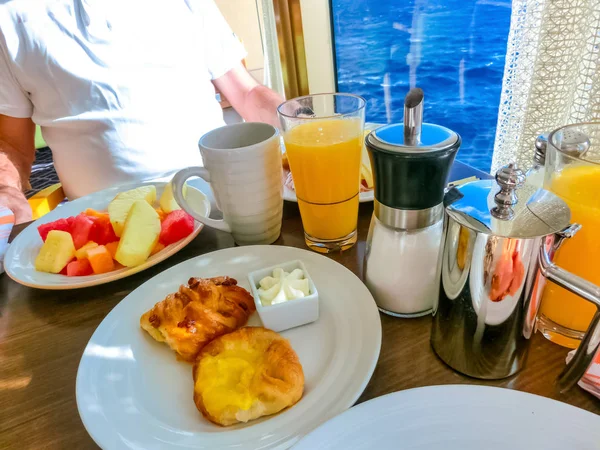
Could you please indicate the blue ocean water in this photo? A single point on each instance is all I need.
(453, 49)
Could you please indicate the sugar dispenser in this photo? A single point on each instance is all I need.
(411, 163)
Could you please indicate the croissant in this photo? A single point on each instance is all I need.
(246, 374)
(192, 317)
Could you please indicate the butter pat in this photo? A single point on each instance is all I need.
(285, 295)
(283, 286)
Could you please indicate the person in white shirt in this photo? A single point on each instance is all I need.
(122, 89)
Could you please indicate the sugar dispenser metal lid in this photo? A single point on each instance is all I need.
(411, 161)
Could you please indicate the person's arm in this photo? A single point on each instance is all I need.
(253, 101)
(17, 152)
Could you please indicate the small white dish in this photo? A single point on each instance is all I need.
(291, 313)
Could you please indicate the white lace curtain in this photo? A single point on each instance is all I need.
(551, 76)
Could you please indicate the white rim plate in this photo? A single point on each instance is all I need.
(458, 417)
(133, 393)
(20, 257)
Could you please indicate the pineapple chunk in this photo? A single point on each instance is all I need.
(119, 208)
(56, 253)
(141, 232)
(167, 200)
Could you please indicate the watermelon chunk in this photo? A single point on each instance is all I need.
(78, 268)
(60, 225)
(103, 233)
(177, 225)
(81, 230)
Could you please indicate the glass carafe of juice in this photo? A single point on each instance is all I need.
(573, 173)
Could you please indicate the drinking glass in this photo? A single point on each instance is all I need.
(573, 173)
(323, 136)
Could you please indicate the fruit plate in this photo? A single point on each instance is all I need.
(458, 417)
(133, 393)
(20, 258)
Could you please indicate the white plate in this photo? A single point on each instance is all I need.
(132, 392)
(290, 195)
(462, 417)
(20, 258)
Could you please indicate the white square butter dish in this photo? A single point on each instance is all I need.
(290, 313)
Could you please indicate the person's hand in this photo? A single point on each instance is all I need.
(14, 200)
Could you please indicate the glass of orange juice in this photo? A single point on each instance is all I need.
(573, 173)
(323, 136)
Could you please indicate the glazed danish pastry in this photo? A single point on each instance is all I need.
(246, 374)
(200, 311)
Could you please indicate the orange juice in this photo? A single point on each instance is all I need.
(580, 187)
(325, 158)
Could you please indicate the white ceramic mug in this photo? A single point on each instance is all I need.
(242, 163)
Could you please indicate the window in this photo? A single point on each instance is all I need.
(453, 49)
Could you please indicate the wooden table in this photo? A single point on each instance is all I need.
(43, 335)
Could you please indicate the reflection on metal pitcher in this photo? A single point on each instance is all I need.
(491, 277)
(456, 259)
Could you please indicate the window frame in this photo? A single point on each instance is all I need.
(306, 46)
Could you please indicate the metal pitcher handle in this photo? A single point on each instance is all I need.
(590, 343)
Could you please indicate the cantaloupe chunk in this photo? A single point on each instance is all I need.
(100, 259)
(93, 213)
(112, 248)
(140, 234)
(119, 208)
(58, 250)
(161, 213)
(82, 252)
(157, 248)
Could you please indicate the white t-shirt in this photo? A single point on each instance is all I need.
(121, 88)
